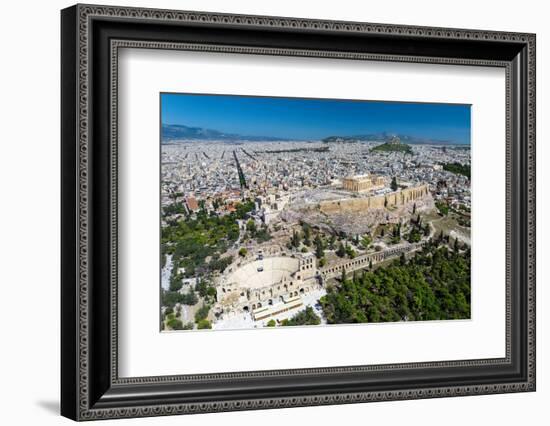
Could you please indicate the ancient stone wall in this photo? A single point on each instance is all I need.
(253, 287)
(363, 261)
(397, 198)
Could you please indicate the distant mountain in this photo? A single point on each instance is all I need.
(386, 137)
(171, 133)
(175, 133)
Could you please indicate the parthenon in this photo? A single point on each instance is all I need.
(362, 183)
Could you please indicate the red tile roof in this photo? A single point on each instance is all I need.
(192, 203)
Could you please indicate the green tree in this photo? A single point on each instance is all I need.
(204, 324)
(170, 298)
(189, 298)
(393, 184)
(351, 253)
(175, 324)
(201, 287)
(202, 313)
(414, 236)
(343, 276)
(319, 252)
(396, 234)
(263, 235)
(340, 251)
(211, 292)
(397, 230)
(307, 234)
(305, 317)
(271, 323)
(295, 239)
(366, 241)
(427, 230)
(243, 252)
(251, 227)
(176, 282)
(442, 207)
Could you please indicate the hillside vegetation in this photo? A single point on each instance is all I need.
(433, 285)
(389, 147)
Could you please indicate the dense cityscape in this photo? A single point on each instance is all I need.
(274, 233)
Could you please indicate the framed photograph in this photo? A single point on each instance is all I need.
(263, 212)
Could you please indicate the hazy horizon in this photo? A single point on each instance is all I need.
(303, 119)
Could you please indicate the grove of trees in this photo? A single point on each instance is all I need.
(457, 168)
(433, 285)
(305, 317)
(192, 241)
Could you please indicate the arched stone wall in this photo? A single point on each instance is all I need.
(363, 261)
(396, 198)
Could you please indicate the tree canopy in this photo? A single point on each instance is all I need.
(457, 168)
(434, 285)
(305, 317)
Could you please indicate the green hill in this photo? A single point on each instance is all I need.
(459, 169)
(392, 147)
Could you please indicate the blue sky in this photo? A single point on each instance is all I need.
(298, 118)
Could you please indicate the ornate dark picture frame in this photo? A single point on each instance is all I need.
(91, 37)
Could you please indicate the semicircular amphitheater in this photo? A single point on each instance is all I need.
(266, 287)
(264, 272)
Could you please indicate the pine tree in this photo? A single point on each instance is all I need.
(393, 184)
(332, 241)
(341, 251)
(295, 240)
(319, 252)
(307, 234)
